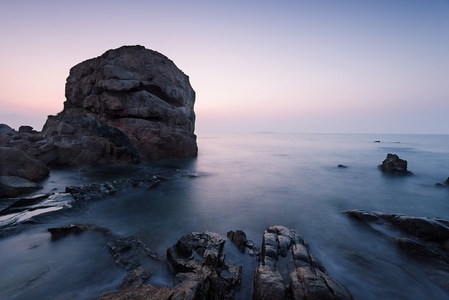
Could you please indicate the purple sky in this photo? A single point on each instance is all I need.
(335, 66)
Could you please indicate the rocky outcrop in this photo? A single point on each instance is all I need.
(130, 104)
(238, 238)
(15, 162)
(425, 240)
(287, 270)
(301, 277)
(199, 262)
(17, 172)
(394, 165)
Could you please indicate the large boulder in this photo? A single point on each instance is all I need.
(15, 162)
(130, 104)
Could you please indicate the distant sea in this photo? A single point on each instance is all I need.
(248, 182)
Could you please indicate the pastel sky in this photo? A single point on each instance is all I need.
(335, 66)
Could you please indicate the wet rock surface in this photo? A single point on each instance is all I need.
(287, 270)
(425, 240)
(19, 213)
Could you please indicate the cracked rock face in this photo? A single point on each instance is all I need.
(130, 104)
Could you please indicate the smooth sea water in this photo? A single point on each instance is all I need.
(248, 182)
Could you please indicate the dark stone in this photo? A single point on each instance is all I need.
(60, 232)
(308, 280)
(130, 253)
(238, 238)
(25, 129)
(128, 105)
(15, 162)
(394, 165)
(201, 272)
(198, 260)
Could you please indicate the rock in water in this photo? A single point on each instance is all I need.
(130, 104)
(13, 186)
(393, 164)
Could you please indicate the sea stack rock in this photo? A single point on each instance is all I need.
(130, 104)
(393, 164)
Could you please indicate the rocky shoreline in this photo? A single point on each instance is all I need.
(133, 105)
(286, 267)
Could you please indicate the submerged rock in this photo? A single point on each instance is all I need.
(13, 186)
(60, 232)
(425, 240)
(394, 165)
(444, 184)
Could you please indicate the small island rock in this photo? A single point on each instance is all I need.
(393, 164)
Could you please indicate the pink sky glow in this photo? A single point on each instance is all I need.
(292, 66)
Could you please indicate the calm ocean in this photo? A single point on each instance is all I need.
(248, 182)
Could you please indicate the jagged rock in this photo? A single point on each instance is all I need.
(26, 139)
(129, 104)
(15, 162)
(287, 270)
(308, 278)
(135, 257)
(198, 262)
(130, 253)
(393, 164)
(101, 190)
(426, 240)
(199, 257)
(238, 238)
